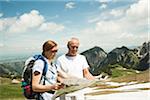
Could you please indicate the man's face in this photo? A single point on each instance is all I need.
(73, 47)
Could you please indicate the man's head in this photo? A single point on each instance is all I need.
(49, 49)
(73, 45)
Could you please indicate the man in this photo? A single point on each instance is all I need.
(72, 63)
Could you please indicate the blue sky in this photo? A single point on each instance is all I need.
(26, 24)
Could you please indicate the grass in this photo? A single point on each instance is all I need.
(120, 71)
(4, 81)
(130, 76)
(117, 72)
(140, 77)
(109, 92)
(10, 91)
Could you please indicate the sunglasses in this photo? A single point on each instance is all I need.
(54, 51)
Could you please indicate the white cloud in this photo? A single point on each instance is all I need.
(138, 11)
(106, 1)
(1, 45)
(6, 23)
(117, 13)
(107, 27)
(103, 1)
(1, 14)
(1, 25)
(51, 27)
(127, 35)
(70, 5)
(129, 29)
(103, 6)
(93, 20)
(27, 22)
(107, 15)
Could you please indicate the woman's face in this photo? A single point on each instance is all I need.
(52, 52)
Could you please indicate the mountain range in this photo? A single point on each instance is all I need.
(99, 61)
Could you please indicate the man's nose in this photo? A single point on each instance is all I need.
(75, 48)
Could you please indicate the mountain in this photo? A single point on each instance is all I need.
(122, 56)
(144, 54)
(144, 63)
(145, 48)
(100, 61)
(94, 56)
(11, 68)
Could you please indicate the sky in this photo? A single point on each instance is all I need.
(26, 24)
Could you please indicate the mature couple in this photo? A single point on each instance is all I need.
(70, 64)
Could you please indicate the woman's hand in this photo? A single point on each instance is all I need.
(58, 86)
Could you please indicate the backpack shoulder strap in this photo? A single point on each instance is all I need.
(45, 63)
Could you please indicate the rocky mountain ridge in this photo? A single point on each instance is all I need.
(99, 60)
(137, 58)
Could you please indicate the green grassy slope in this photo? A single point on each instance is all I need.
(10, 91)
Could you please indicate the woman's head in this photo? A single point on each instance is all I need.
(49, 49)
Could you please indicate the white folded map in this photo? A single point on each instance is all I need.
(73, 84)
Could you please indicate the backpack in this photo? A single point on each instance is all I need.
(27, 76)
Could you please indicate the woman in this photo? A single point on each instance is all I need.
(45, 86)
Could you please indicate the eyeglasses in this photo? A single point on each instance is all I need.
(73, 47)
